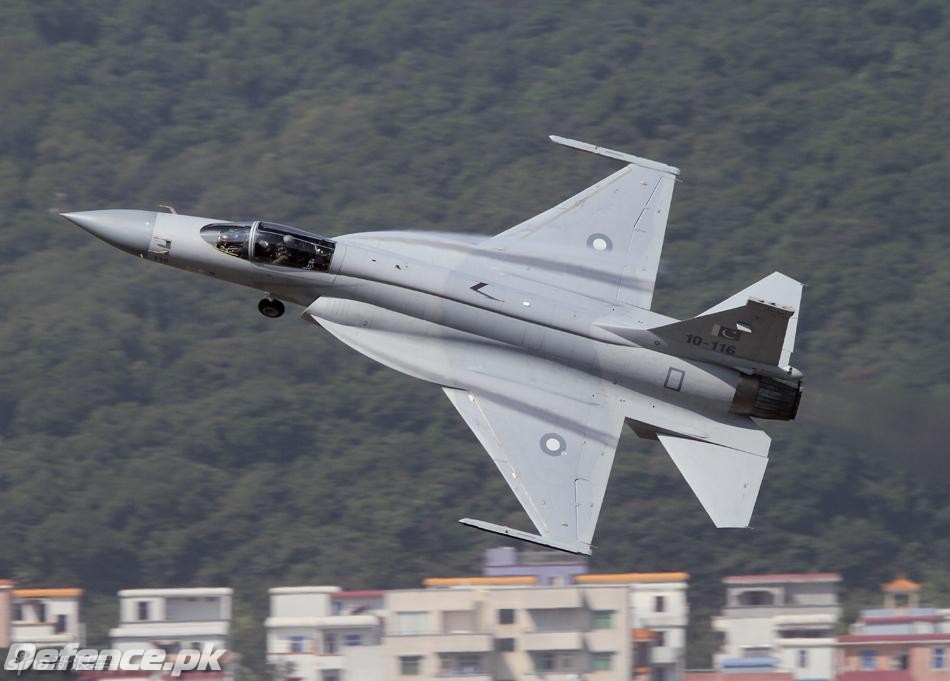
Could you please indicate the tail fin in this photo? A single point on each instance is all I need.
(757, 324)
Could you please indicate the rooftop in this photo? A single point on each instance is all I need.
(632, 577)
(882, 675)
(304, 590)
(854, 639)
(187, 592)
(47, 593)
(479, 581)
(360, 593)
(901, 584)
(783, 577)
(901, 619)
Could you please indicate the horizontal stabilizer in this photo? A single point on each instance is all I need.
(570, 547)
(726, 481)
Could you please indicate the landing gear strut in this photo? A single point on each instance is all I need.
(270, 308)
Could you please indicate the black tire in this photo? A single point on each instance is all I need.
(270, 308)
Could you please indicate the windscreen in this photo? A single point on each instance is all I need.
(233, 239)
(290, 247)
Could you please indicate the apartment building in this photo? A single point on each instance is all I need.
(322, 633)
(6, 605)
(507, 628)
(660, 616)
(658, 603)
(779, 623)
(173, 619)
(901, 641)
(46, 617)
(549, 568)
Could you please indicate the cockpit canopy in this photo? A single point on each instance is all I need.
(269, 243)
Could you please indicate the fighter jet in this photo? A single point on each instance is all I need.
(542, 337)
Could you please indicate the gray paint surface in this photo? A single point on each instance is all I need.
(542, 338)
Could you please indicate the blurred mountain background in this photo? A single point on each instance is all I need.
(155, 430)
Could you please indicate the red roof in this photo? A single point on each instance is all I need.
(713, 675)
(881, 675)
(901, 619)
(365, 593)
(892, 638)
(788, 577)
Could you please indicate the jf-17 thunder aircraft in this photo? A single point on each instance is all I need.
(542, 337)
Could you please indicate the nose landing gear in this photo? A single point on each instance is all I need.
(270, 308)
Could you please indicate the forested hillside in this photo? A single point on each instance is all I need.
(156, 430)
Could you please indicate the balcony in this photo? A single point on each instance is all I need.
(775, 610)
(553, 640)
(462, 643)
(324, 621)
(164, 629)
(328, 662)
(663, 655)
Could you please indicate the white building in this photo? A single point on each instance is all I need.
(660, 613)
(173, 619)
(780, 623)
(46, 617)
(507, 628)
(320, 633)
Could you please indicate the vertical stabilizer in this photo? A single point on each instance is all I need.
(776, 289)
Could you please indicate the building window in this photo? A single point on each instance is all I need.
(458, 621)
(409, 665)
(802, 659)
(330, 675)
(660, 638)
(658, 674)
(659, 604)
(142, 607)
(868, 660)
(296, 644)
(329, 643)
(939, 658)
(460, 664)
(60, 626)
(756, 651)
(758, 597)
(40, 612)
(353, 640)
(550, 661)
(899, 661)
(544, 662)
(17, 612)
(601, 662)
(505, 645)
(506, 616)
(602, 619)
(413, 622)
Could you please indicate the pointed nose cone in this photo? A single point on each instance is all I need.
(127, 230)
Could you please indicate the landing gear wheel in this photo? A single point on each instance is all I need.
(270, 308)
